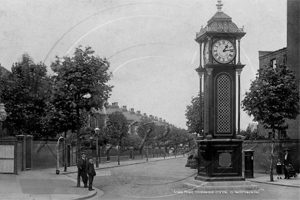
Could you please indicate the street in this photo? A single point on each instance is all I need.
(163, 180)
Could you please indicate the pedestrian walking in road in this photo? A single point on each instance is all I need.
(91, 172)
(279, 169)
(286, 162)
(82, 169)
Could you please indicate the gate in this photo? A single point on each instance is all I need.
(8, 156)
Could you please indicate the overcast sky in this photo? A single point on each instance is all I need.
(149, 43)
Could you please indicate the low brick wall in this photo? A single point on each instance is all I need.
(44, 154)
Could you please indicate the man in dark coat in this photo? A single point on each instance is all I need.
(91, 172)
(286, 162)
(82, 169)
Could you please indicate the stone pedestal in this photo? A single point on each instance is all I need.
(220, 160)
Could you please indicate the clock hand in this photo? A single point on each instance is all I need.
(229, 50)
(225, 48)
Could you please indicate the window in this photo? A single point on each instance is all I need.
(273, 63)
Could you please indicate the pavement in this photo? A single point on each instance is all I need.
(46, 184)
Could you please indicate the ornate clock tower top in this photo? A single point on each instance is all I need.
(219, 25)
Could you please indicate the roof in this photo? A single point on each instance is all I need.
(219, 16)
(4, 71)
(262, 54)
(220, 23)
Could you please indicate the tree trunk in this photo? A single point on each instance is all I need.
(78, 145)
(119, 152)
(272, 154)
(107, 153)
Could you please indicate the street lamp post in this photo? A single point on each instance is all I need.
(97, 131)
(57, 154)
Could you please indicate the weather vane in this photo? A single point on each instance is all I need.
(219, 6)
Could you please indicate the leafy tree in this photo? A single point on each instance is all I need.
(193, 115)
(272, 99)
(132, 140)
(80, 84)
(151, 133)
(116, 130)
(26, 92)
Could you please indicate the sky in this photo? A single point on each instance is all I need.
(150, 44)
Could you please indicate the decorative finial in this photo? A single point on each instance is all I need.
(219, 6)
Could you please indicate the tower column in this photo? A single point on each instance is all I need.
(200, 73)
(208, 101)
(209, 49)
(239, 51)
(200, 55)
(239, 71)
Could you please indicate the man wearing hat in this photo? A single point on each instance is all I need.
(82, 169)
(91, 172)
(286, 162)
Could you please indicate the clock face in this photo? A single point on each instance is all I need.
(223, 51)
(206, 53)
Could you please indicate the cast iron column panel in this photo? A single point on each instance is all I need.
(210, 116)
(206, 104)
(221, 104)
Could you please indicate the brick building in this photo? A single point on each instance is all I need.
(289, 56)
(98, 118)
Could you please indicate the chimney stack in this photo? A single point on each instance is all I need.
(124, 108)
(132, 110)
(115, 105)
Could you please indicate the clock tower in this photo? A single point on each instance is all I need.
(219, 149)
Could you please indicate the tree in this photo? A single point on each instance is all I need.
(150, 133)
(26, 91)
(193, 115)
(272, 99)
(116, 129)
(80, 84)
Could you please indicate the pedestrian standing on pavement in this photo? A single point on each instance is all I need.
(286, 162)
(82, 169)
(279, 169)
(91, 172)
